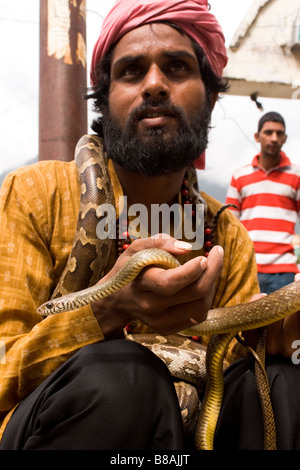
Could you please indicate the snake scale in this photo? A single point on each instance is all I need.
(86, 265)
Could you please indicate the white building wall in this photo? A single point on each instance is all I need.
(262, 58)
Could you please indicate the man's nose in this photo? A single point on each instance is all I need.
(155, 84)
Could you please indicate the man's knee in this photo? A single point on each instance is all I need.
(117, 359)
(95, 400)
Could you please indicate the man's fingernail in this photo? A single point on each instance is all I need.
(221, 251)
(182, 245)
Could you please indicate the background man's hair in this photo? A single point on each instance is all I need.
(270, 117)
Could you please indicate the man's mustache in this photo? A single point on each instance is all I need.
(149, 108)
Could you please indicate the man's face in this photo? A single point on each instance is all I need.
(271, 137)
(157, 100)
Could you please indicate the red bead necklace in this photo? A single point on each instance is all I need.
(123, 237)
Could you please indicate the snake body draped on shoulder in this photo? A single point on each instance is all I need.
(88, 258)
(87, 263)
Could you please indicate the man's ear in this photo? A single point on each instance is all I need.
(256, 137)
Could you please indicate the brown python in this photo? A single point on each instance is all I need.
(91, 251)
(85, 265)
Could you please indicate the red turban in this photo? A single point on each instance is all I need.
(192, 16)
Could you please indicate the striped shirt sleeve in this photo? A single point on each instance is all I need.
(233, 197)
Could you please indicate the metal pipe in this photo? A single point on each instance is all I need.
(62, 109)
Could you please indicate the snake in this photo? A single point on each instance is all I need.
(221, 323)
(78, 286)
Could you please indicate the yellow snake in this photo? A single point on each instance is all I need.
(224, 322)
(87, 264)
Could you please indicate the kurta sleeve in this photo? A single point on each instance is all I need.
(38, 212)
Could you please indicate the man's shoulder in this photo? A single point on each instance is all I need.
(293, 168)
(243, 170)
(43, 181)
(51, 166)
(230, 231)
(49, 171)
(213, 206)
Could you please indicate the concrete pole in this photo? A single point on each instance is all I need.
(62, 110)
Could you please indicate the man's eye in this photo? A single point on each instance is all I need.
(177, 66)
(131, 70)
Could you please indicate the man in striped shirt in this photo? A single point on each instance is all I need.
(267, 196)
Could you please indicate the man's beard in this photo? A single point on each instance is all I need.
(160, 152)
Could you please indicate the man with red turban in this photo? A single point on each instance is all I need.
(191, 16)
(71, 381)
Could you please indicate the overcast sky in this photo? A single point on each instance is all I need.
(234, 118)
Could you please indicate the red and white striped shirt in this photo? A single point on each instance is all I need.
(268, 206)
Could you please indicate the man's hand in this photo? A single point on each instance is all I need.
(165, 300)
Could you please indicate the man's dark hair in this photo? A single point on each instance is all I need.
(99, 93)
(272, 116)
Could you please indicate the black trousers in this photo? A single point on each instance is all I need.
(114, 395)
(241, 424)
(117, 395)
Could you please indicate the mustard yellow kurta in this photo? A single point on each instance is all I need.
(38, 214)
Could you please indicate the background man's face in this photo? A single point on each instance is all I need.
(271, 137)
